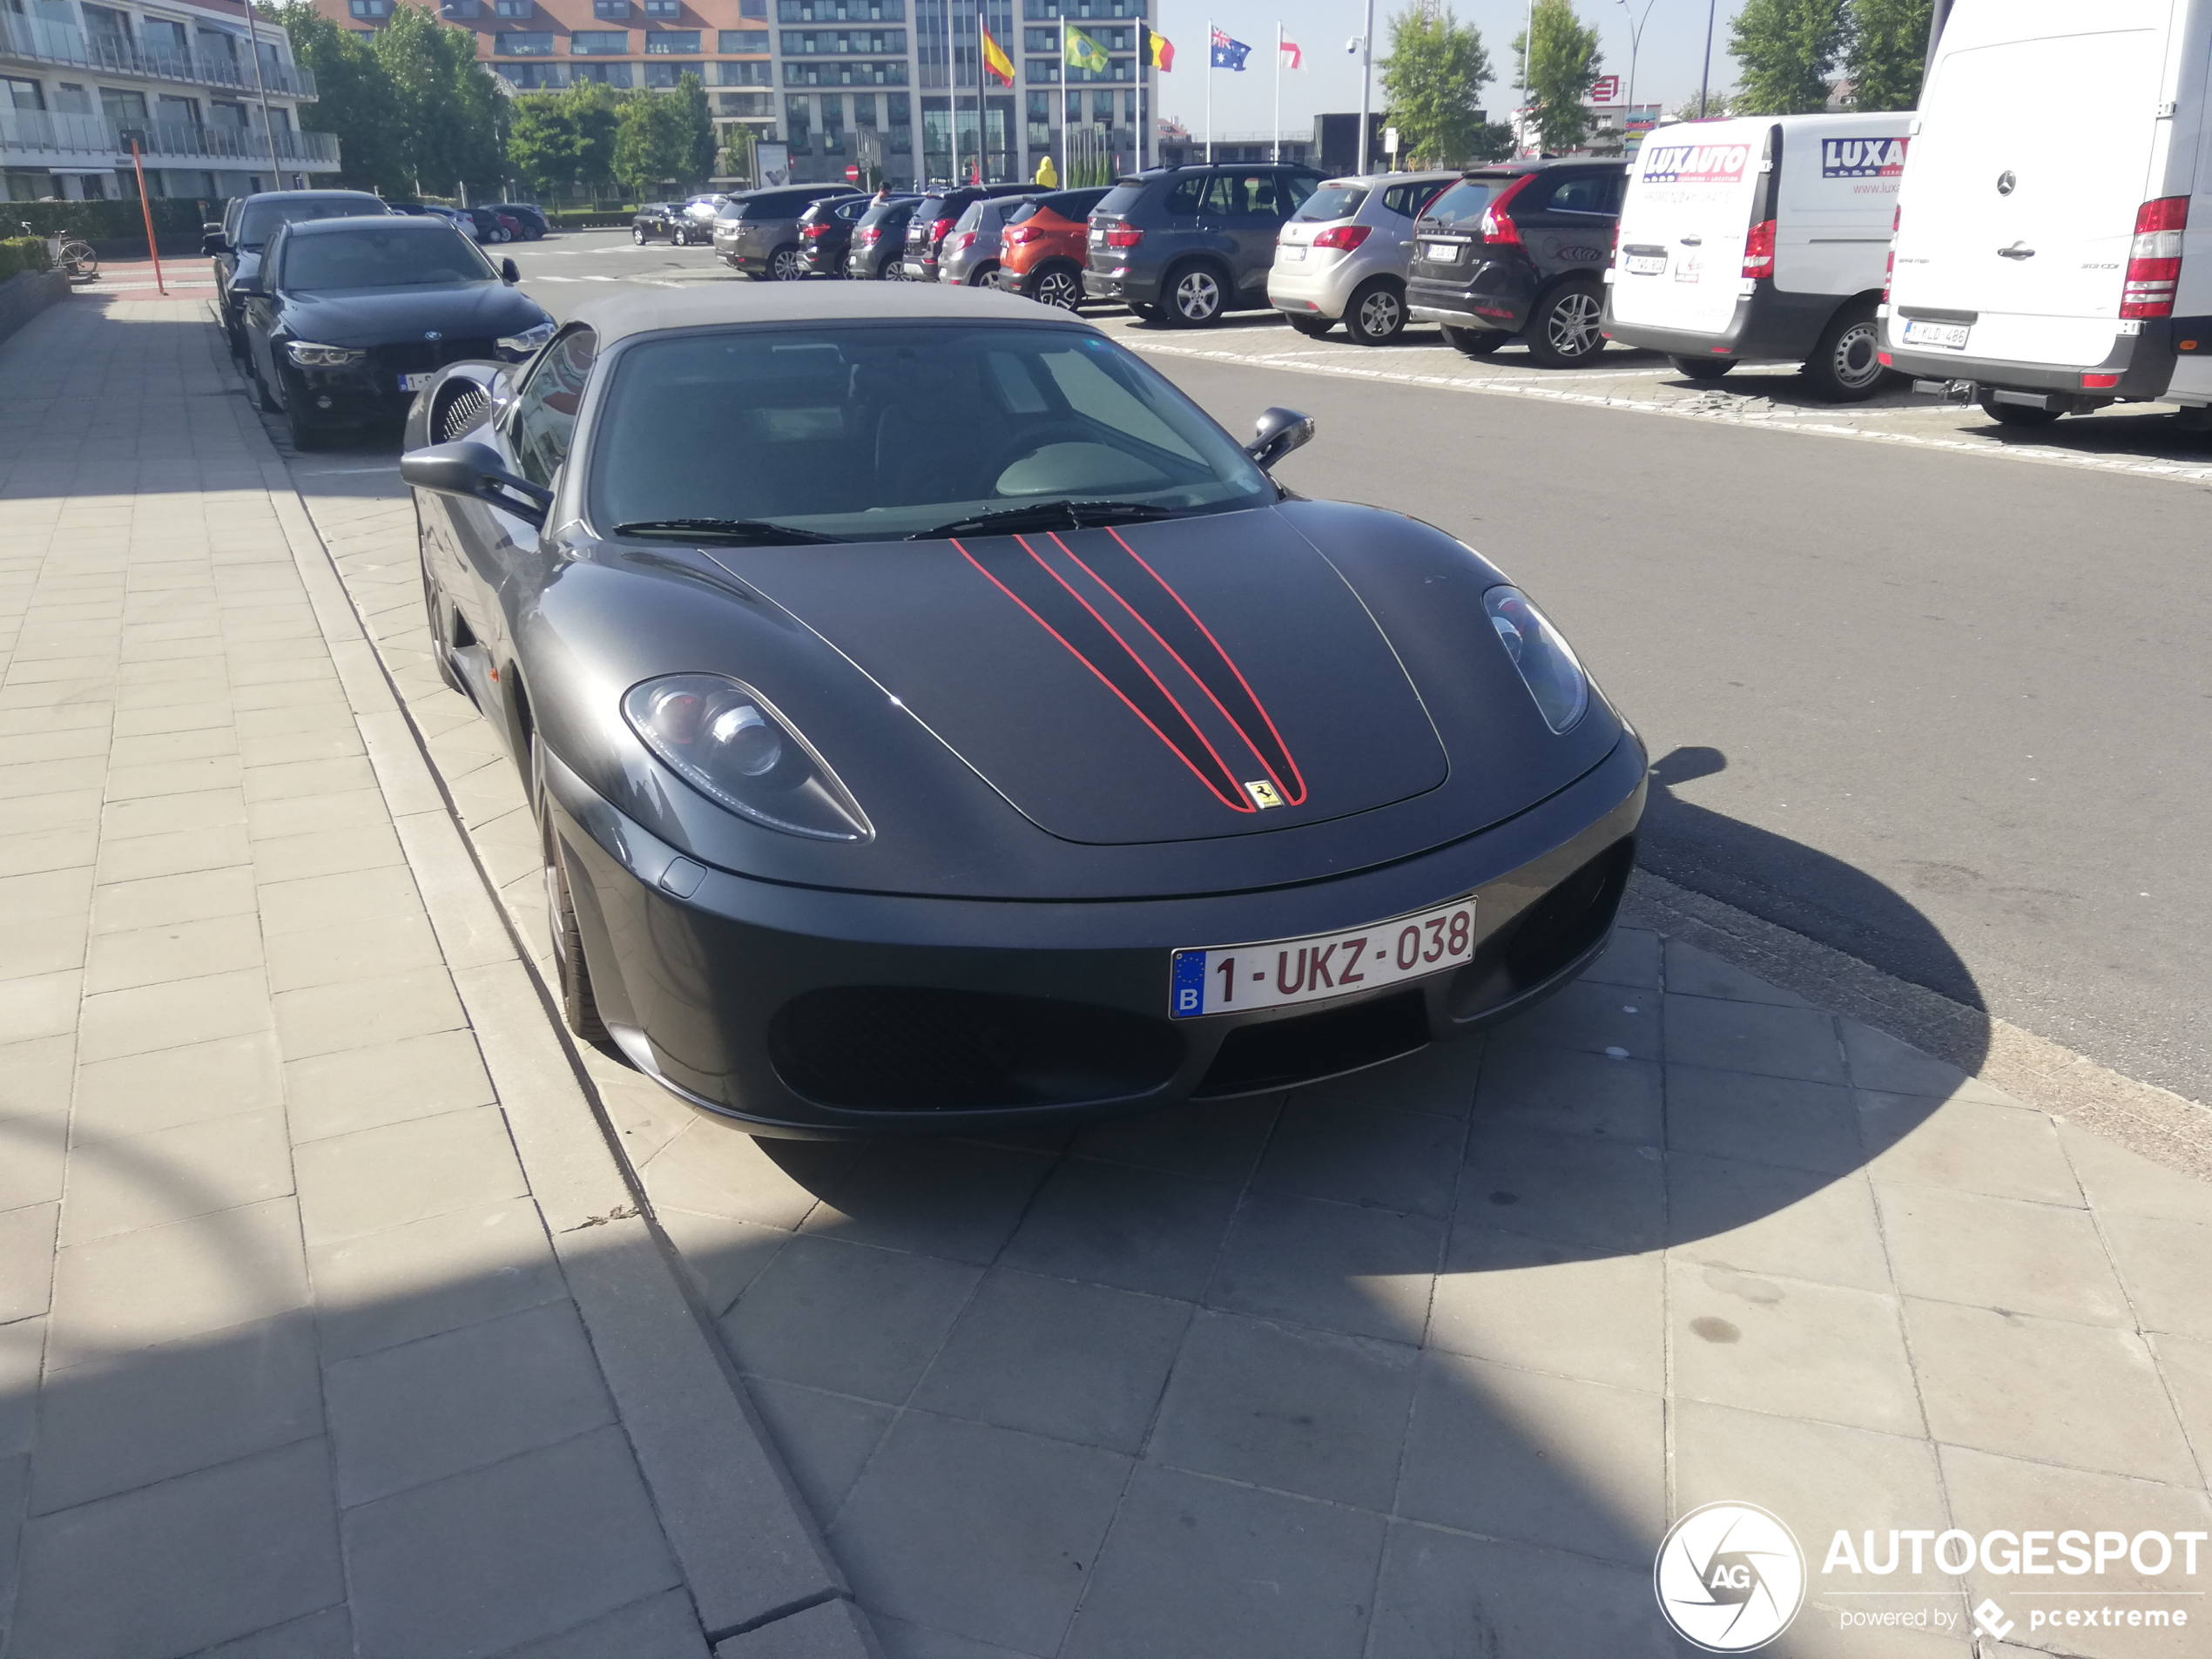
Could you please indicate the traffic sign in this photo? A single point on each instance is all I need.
(853, 173)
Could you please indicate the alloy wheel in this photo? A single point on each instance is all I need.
(1572, 328)
(1381, 314)
(1059, 288)
(1198, 297)
(785, 264)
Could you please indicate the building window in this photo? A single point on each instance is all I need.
(611, 9)
(753, 8)
(837, 74)
(798, 117)
(458, 11)
(664, 8)
(742, 40)
(760, 74)
(365, 9)
(682, 43)
(514, 8)
(1040, 71)
(1043, 11)
(610, 42)
(841, 11)
(605, 74)
(832, 43)
(745, 102)
(662, 75)
(532, 43)
(536, 78)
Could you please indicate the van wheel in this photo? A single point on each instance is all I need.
(1563, 332)
(1846, 365)
(1377, 313)
(2016, 414)
(1312, 327)
(1195, 299)
(1476, 342)
(1702, 368)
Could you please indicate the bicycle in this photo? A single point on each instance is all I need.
(75, 259)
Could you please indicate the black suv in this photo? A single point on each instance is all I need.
(878, 240)
(1182, 244)
(826, 231)
(934, 215)
(1519, 249)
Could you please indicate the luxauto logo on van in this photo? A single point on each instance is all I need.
(1695, 163)
(1861, 158)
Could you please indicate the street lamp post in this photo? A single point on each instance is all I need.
(1366, 81)
(1705, 76)
(1636, 43)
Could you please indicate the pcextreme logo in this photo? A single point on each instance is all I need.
(1729, 1577)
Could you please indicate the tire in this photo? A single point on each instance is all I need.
(1474, 342)
(1563, 332)
(1312, 327)
(786, 264)
(1702, 368)
(637, 234)
(1058, 287)
(308, 434)
(1196, 296)
(572, 974)
(440, 636)
(2016, 414)
(1146, 313)
(980, 276)
(1377, 313)
(1846, 365)
(264, 399)
(77, 260)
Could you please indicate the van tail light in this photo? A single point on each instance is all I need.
(2155, 258)
(1121, 236)
(1758, 250)
(1347, 237)
(1889, 265)
(1498, 227)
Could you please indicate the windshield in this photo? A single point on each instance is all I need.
(1332, 202)
(417, 256)
(1121, 199)
(260, 220)
(1463, 203)
(871, 431)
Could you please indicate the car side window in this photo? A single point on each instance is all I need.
(1188, 195)
(1290, 191)
(1584, 192)
(543, 423)
(1407, 200)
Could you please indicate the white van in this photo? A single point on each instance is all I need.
(1761, 237)
(2046, 262)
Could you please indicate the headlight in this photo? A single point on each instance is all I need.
(308, 355)
(723, 739)
(529, 340)
(1548, 667)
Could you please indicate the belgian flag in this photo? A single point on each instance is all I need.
(1154, 50)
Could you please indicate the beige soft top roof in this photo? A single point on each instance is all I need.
(618, 315)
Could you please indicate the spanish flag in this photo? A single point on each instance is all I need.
(994, 58)
(1156, 51)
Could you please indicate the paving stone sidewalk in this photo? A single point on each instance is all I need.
(1424, 1362)
(328, 1324)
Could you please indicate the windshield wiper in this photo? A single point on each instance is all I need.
(744, 532)
(1048, 515)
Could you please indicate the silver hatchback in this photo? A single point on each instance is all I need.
(970, 255)
(1342, 255)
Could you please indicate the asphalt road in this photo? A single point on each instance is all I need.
(1890, 645)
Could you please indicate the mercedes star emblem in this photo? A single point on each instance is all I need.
(2005, 182)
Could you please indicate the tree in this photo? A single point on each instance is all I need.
(736, 152)
(358, 106)
(1720, 101)
(1434, 79)
(595, 113)
(1559, 74)
(652, 142)
(448, 106)
(699, 147)
(1888, 44)
(1787, 50)
(542, 148)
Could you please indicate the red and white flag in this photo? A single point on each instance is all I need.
(1292, 57)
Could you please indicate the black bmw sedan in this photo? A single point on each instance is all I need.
(936, 721)
(348, 318)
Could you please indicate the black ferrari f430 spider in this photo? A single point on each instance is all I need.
(936, 721)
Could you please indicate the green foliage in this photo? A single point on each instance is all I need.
(1787, 50)
(699, 147)
(652, 142)
(1718, 102)
(543, 146)
(447, 104)
(21, 254)
(1559, 74)
(358, 104)
(106, 221)
(594, 112)
(736, 152)
(1433, 80)
(1493, 141)
(1888, 44)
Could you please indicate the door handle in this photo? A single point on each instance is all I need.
(1693, 241)
(2016, 251)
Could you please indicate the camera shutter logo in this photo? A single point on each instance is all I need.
(1729, 1577)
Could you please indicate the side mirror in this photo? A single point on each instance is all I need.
(212, 243)
(247, 288)
(212, 226)
(508, 273)
(474, 471)
(1275, 433)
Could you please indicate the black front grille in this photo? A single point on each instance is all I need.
(413, 356)
(1549, 936)
(888, 1048)
(1305, 1048)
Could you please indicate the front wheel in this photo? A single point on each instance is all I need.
(1563, 332)
(2016, 414)
(637, 234)
(1846, 365)
(1196, 298)
(1057, 285)
(1474, 342)
(305, 429)
(1702, 368)
(77, 260)
(786, 265)
(1377, 313)
(579, 1007)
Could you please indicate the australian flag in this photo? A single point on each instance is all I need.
(1227, 53)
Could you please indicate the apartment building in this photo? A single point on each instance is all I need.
(209, 94)
(817, 74)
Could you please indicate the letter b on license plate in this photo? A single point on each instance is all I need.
(1232, 978)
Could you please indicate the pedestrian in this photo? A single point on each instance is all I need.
(1048, 175)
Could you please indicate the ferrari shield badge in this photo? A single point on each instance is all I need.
(1263, 793)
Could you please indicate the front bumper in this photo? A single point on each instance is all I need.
(370, 389)
(816, 1013)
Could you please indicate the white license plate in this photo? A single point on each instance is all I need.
(1645, 264)
(1289, 255)
(1441, 252)
(416, 382)
(1952, 336)
(1231, 979)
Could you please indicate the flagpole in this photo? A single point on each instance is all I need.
(1210, 91)
(951, 97)
(1278, 92)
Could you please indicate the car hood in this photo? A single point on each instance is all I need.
(1178, 681)
(379, 316)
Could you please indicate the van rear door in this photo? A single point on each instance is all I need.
(1683, 227)
(1838, 188)
(2032, 156)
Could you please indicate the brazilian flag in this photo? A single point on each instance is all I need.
(1084, 52)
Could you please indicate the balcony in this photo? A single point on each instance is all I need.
(43, 137)
(30, 40)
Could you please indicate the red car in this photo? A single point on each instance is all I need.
(1040, 254)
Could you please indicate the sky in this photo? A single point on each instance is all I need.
(1667, 66)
